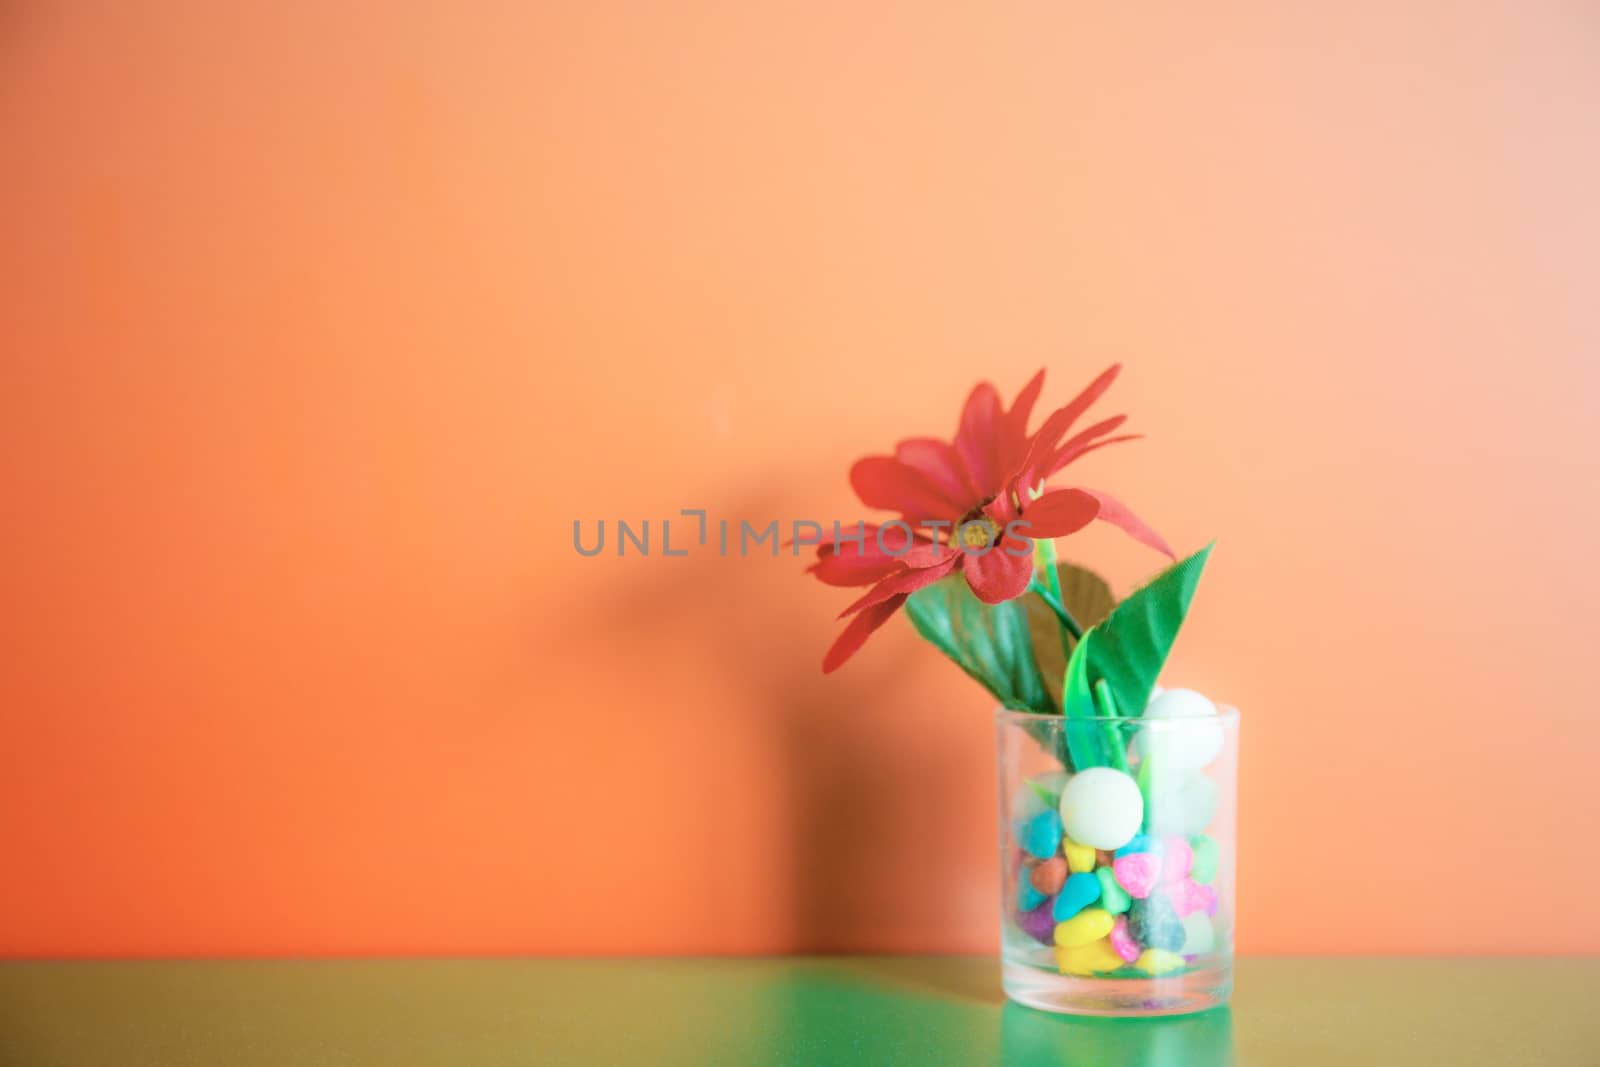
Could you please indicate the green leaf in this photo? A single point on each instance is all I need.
(1077, 699)
(1083, 741)
(1050, 799)
(991, 642)
(1127, 650)
(1084, 594)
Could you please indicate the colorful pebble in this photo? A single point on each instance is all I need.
(1039, 923)
(1088, 925)
(1155, 923)
(1189, 896)
(1205, 859)
(1122, 941)
(1113, 897)
(1177, 859)
(1028, 897)
(1137, 872)
(1048, 876)
(1080, 891)
(1140, 843)
(1040, 836)
(1101, 807)
(1079, 857)
(1157, 961)
(1199, 937)
(1088, 959)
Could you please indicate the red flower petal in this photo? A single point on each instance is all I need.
(847, 563)
(940, 463)
(927, 555)
(1002, 509)
(914, 577)
(981, 419)
(1044, 443)
(1022, 406)
(1099, 429)
(885, 482)
(1060, 512)
(1067, 455)
(1094, 390)
(1113, 511)
(1014, 444)
(858, 631)
(997, 575)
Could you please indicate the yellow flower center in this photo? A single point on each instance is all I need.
(978, 533)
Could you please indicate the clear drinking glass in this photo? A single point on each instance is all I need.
(1139, 919)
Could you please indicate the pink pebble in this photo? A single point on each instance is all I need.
(1189, 897)
(1176, 859)
(1123, 942)
(1136, 872)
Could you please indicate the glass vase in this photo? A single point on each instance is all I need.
(1117, 858)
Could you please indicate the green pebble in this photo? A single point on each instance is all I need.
(1113, 897)
(1205, 859)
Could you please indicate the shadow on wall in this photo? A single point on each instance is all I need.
(874, 777)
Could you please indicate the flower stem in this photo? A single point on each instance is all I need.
(1110, 735)
(1146, 780)
(1065, 617)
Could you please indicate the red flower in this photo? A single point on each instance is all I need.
(972, 505)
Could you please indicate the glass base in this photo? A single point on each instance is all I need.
(1194, 990)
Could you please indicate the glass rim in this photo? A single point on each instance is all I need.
(1226, 713)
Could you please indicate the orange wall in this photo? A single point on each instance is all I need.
(321, 326)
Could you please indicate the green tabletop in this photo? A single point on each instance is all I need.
(813, 1012)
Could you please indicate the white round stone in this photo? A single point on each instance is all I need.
(1179, 704)
(1101, 807)
(1182, 802)
(1188, 744)
(1198, 935)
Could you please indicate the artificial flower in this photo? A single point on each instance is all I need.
(972, 505)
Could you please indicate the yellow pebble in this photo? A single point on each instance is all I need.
(1088, 925)
(1080, 858)
(1158, 961)
(1087, 959)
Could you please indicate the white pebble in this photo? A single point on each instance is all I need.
(1184, 745)
(1101, 807)
(1198, 935)
(1182, 802)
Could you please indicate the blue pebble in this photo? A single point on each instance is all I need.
(1080, 891)
(1041, 835)
(1140, 843)
(1028, 897)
